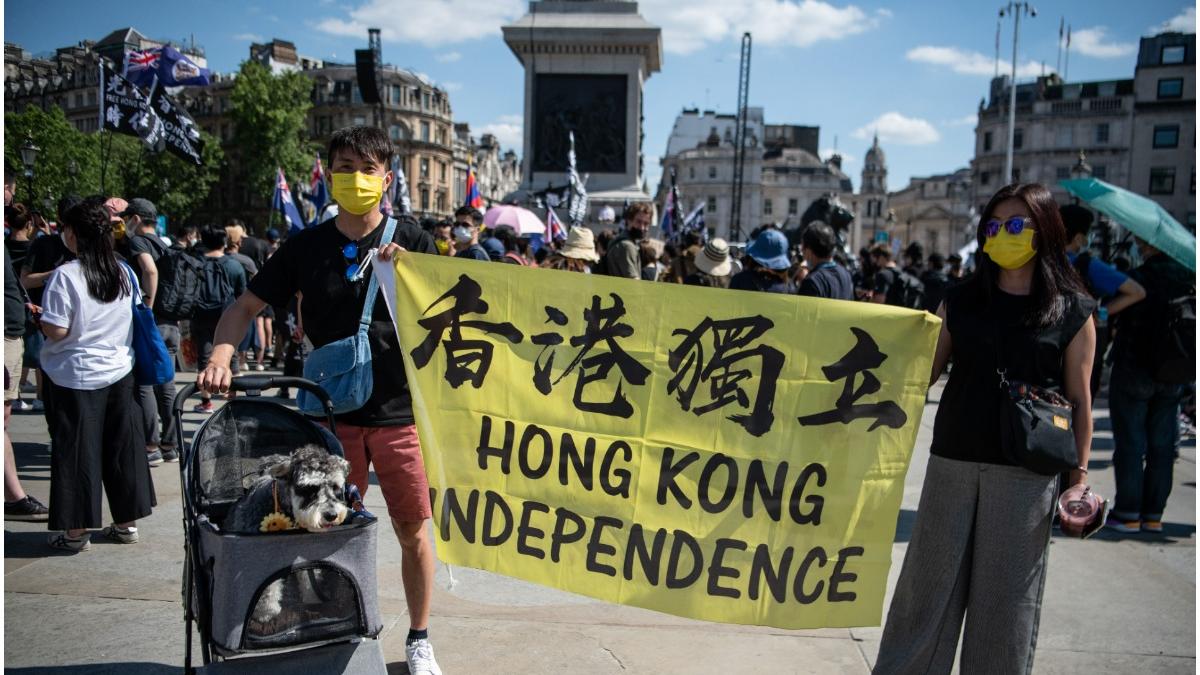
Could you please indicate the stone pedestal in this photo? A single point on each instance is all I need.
(586, 62)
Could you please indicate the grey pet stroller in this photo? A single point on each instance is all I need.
(328, 618)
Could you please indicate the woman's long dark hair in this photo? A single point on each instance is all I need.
(1053, 278)
(90, 222)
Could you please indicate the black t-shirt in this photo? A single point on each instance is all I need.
(46, 254)
(17, 250)
(312, 263)
(256, 249)
(473, 252)
(829, 280)
(1139, 326)
(14, 302)
(967, 426)
(149, 244)
(935, 283)
(883, 281)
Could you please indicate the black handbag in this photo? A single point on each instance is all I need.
(1035, 426)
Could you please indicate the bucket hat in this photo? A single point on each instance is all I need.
(580, 244)
(770, 250)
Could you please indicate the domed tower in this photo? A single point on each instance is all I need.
(872, 199)
(874, 173)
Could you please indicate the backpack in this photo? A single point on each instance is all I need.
(216, 291)
(1171, 353)
(180, 276)
(906, 291)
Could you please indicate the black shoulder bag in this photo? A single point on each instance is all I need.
(1035, 425)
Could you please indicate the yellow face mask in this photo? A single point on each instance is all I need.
(118, 229)
(443, 246)
(1010, 251)
(357, 192)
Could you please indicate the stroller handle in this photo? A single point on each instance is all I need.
(255, 384)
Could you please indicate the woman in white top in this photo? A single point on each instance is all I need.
(97, 435)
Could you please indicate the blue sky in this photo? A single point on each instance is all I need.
(915, 70)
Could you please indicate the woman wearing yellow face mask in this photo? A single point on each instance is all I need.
(981, 538)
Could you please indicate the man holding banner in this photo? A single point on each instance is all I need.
(325, 265)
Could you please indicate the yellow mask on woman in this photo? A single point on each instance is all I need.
(357, 192)
(1010, 251)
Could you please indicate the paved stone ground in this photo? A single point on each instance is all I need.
(1113, 604)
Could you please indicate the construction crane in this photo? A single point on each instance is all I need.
(739, 143)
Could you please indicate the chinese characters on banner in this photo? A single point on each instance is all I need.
(721, 455)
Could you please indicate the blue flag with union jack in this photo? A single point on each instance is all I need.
(284, 204)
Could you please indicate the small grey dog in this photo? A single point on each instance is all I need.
(309, 488)
(309, 485)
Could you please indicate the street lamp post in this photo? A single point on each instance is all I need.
(29, 153)
(1014, 9)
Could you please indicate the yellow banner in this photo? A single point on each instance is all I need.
(720, 455)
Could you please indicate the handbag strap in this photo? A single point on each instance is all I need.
(364, 322)
(137, 289)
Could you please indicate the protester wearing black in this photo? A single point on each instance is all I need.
(145, 250)
(1153, 358)
(224, 281)
(622, 258)
(935, 282)
(467, 221)
(17, 504)
(826, 278)
(891, 285)
(981, 538)
(914, 259)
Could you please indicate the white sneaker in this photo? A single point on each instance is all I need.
(22, 406)
(419, 655)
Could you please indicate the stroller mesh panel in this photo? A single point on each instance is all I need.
(234, 441)
(305, 604)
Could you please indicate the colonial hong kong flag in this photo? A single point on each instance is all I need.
(318, 192)
(473, 199)
(284, 204)
(142, 67)
(554, 227)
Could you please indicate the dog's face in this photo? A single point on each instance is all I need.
(315, 482)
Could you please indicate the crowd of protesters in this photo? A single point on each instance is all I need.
(1061, 313)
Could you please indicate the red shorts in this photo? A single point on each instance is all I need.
(395, 452)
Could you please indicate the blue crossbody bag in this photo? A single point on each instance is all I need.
(343, 368)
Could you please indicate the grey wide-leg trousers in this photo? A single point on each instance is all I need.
(978, 549)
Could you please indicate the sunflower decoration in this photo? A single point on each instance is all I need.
(276, 521)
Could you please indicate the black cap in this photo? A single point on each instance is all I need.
(141, 207)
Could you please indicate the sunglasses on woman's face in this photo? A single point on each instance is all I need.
(1014, 225)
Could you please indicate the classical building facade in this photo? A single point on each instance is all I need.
(416, 113)
(1137, 133)
(935, 211)
(1163, 155)
(497, 171)
(783, 173)
(870, 204)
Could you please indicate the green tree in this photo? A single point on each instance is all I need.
(60, 143)
(175, 185)
(269, 114)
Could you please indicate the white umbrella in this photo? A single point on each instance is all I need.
(524, 221)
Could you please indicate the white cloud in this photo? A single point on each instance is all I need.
(967, 62)
(1184, 22)
(893, 127)
(508, 129)
(427, 23)
(690, 26)
(829, 152)
(448, 57)
(687, 27)
(964, 121)
(1091, 42)
(249, 37)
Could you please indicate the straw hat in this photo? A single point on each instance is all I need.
(580, 244)
(714, 259)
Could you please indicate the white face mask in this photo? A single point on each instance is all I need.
(462, 234)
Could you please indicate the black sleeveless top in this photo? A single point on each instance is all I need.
(967, 426)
